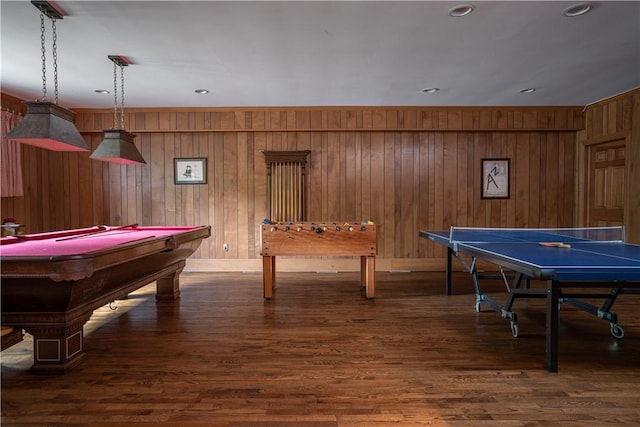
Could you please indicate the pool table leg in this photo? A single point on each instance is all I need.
(168, 287)
(56, 348)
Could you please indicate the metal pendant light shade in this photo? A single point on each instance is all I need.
(118, 147)
(47, 125)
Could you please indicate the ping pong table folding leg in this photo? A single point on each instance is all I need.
(514, 291)
(451, 253)
(553, 313)
(447, 286)
(504, 310)
(603, 312)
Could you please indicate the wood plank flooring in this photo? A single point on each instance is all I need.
(320, 354)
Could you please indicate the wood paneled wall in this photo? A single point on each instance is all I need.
(407, 169)
(12, 104)
(614, 118)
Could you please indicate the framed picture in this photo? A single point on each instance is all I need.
(190, 170)
(495, 178)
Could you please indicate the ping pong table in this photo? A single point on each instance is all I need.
(573, 261)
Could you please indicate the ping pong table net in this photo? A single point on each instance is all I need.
(584, 234)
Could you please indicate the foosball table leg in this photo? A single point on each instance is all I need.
(268, 275)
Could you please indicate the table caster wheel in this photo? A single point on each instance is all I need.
(617, 331)
(514, 329)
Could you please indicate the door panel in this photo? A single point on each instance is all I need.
(606, 178)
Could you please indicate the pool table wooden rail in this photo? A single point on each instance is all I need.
(80, 266)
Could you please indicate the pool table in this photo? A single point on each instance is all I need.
(52, 282)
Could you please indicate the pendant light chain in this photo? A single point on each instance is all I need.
(117, 61)
(55, 57)
(43, 57)
(122, 96)
(115, 98)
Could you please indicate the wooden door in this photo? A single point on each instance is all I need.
(606, 183)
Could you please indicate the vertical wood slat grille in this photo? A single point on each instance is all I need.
(287, 198)
(286, 192)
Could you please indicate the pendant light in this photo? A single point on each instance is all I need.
(48, 125)
(117, 145)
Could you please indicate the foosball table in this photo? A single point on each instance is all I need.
(319, 239)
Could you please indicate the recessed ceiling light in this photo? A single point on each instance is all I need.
(461, 10)
(430, 89)
(576, 10)
(528, 90)
(101, 91)
(201, 91)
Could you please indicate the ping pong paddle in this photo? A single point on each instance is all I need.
(555, 244)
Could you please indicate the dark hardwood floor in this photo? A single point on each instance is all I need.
(320, 354)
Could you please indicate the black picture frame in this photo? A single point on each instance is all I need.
(189, 170)
(495, 178)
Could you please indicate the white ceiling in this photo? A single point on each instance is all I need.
(325, 53)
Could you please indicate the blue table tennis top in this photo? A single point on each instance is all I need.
(586, 260)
